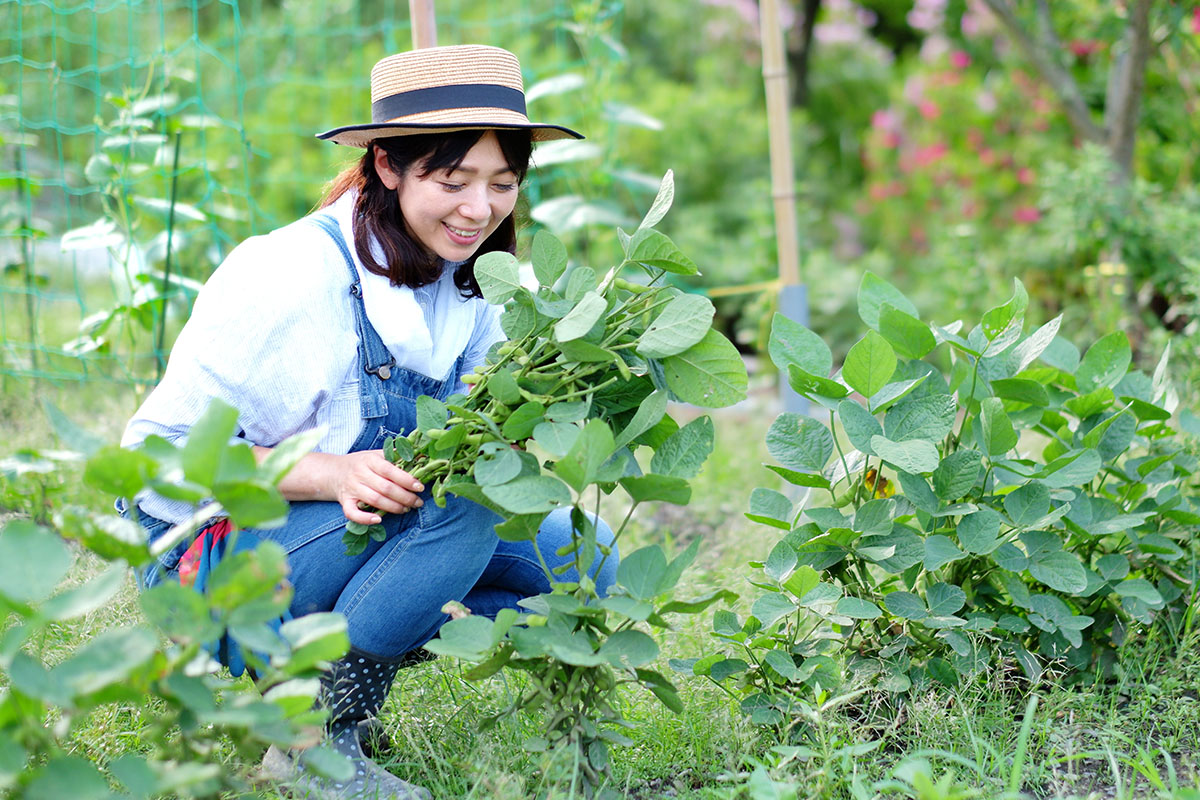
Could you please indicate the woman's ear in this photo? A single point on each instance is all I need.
(383, 169)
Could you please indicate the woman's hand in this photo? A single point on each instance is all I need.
(362, 477)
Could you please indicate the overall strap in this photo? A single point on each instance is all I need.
(373, 355)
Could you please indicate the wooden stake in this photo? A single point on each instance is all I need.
(783, 184)
(424, 23)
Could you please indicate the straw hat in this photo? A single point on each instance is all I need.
(445, 89)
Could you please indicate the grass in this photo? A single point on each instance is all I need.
(1136, 735)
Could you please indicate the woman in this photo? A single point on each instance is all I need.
(340, 321)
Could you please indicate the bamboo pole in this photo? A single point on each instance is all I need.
(783, 185)
(793, 297)
(424, 23)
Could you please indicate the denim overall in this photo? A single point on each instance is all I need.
(393, 592)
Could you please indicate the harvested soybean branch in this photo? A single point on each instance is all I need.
(1044, 54)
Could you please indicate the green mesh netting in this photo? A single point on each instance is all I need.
(140, 141)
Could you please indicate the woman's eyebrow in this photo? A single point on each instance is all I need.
(474, 171)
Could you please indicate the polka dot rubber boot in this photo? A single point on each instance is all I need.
(353, 691)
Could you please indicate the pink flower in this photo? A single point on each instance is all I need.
(959, 59)
(1026, 215)
(884, 120)
(930, 154)
(1082, 48)
(1025, 176)
(929, 109)
(1196, 19)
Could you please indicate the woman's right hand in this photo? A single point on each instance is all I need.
(368, 478)
(365, 477)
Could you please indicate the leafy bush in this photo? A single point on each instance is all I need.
(1020, 503)
(188, 711)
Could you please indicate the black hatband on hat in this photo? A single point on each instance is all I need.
(440, 98)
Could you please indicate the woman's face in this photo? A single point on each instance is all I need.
(452, 212)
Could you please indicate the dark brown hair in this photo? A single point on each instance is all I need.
(406, 262)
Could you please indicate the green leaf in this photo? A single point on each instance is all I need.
(906, 605)
(655, 249)
(180, 612)
(1027, 504)
(315, 638)
(532, 494)
(685, 451)
(908, 335)
(784, 666)
(799, 442)
(809, 385)
(1035, 344)
(647, 416)
(642, 572)
(662, 202)
(681, 324)
(32, 561)
(1000, 319)
(431, 413)
(90, 596)
(520, 318)
(939, 551)
(1073, 469)
(869, 364)
(792, 343)
(994, 431)
(772, 607)
(945, 599)
(68, 777)
(629, 648)
(857, 608)
(780, 561)
(1113, 567)
(1141, 589)
(873, 292)
(770, 507)
(1105, 363)
(930, 418)
(956, 474)
(579, 467)
(859, 424)
(207, 440)
(710, 374)
(979, 532)
(498, 275)
(914, 456)
(1091, 403)
(580, 319)
(119, 472)
(524, 419)
(501, 465)
(665, 488)
(106, 660)
(581, 281)
(252, 504)
(520, 527)
(799, 478)
(503, 386)
(892, 393)
(1021, 390)
(549, 258)
(1059, 570)
(874, 518)
(802, 581)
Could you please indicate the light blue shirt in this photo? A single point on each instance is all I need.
(272, 333)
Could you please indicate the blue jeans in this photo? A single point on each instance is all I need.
(393, 592)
